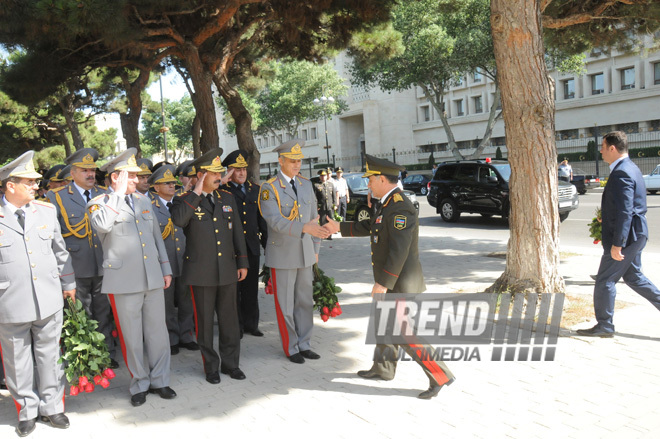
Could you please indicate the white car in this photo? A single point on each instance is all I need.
(652, 181)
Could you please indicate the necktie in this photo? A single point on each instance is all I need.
(20, 215)
(169, 206)
(128, 201)
(293, 185)
(210, 198)
(241, 188)
(87, 196)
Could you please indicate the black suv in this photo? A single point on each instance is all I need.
(482, 186)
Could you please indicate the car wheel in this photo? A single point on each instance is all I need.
(582, 192)
(653, 192)
(423, 190)
(448, 211)
(362, 214)
(563, 216)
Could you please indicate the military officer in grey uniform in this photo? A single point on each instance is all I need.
(255, 231)
(394, 232)
(215, 261)
(35, 274)
(178, 302)
(135, 271)
(82, 242)
(288, 205)
(51, 177)
(186, 175)
(142, 186)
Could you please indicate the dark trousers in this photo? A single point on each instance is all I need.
(179, 313)
(322, 215)
(97, 305)
(609, 273)
(341, 209)
(220, 300)
(385, 364)
(247, 296)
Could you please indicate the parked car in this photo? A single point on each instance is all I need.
(652, 181)
(358, 209)
(482, 186)
(417, 183)
(583, 181)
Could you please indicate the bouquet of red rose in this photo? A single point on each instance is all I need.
(85, 353)
(325, 292)
(596, 227)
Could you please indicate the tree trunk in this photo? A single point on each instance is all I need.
(69, 117)
(130, 128)
(65, 141)
(528, 103)
(130, 121)
(202, 98)
(243, 121)
(196, 135)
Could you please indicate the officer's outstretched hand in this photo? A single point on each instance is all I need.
(331, 225)
(313, 228)
(199, 185)
(242, 274)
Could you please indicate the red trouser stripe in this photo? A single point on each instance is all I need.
(119, 331)
(18, 406)
(430, 364)
(284, 334)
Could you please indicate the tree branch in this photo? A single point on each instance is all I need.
(596, 13)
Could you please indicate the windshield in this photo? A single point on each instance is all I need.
(356, 182)
(504, 170)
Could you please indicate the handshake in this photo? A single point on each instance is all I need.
(315, 229)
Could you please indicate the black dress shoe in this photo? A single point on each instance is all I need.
(3, 385)
(26, 427)
(164, 392)
(434, 390)
(256, 333)
(234, 374)
(310, 354)
(371, 375)
(297, 358)
(191, 346)
(596, 331)
(213, 377)
(138, 399)
(114, 364)
(58, 420)
(174, 350)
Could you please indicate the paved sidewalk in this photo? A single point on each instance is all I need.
(595, 388)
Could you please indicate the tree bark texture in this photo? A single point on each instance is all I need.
(243, 121)
(130, 121)
(528, 108)
(69, 116)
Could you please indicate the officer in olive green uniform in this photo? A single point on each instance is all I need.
(325, 195)
(214, 262)
(394, 232)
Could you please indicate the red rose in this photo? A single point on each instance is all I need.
(89, 388)
(596, 241)
(334, 312)
(109, 374)
(324, 317)
(325, 311)
(104, 383)
(83, 381)
(114, 333)
(97, 379)
(73, 391)
(269, 286)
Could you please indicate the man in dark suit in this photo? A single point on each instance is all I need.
(255, 231)
(394, 234)
(214, 262)
(624, 235)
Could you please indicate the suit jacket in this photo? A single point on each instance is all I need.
(34, 265)
(255, 228)
(623, 206)
(134, 255)
(325, 196)
(174, 239)
(288, 246)
(215, 243)
(394, 231)
(82, 242)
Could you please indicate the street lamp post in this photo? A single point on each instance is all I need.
(323, 101)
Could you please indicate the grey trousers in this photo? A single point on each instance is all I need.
(23, 345)
(294, 306)
(140, 319)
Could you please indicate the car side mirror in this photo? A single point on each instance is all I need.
(491, 179)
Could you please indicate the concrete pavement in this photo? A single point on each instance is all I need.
(595, 388)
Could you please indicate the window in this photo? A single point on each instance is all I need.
(426, 113)
(478, 107)
(459, 107)
(273, 141)
(569, 88)
(258, 143)
(656, 73)
(597, 84)
(629, 128)
(313, 133)
(304, 134)
(628, 78)
(279, 138)
(266, 142)
(445, 172)
(466, 173)
(476, 76)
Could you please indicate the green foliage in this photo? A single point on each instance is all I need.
(325, 291)
(431, 160)
(596, 227)
(179, 117)
(48, 157)
(498, 153)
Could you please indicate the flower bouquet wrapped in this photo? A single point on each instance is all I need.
(596, 227)
(85, 353)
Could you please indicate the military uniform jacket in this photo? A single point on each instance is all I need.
(34, 265)
(255, 228)
(394, 234)
(173, 236)
(326, 195)
(215, 243)
(81, 241)
(134, 255)
(288, 246)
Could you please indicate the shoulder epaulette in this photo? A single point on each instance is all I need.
(44, 203)
(304, 178)
(225, 190)
(105, 188)
(57, 189)
(98, 197)
(272, 180)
